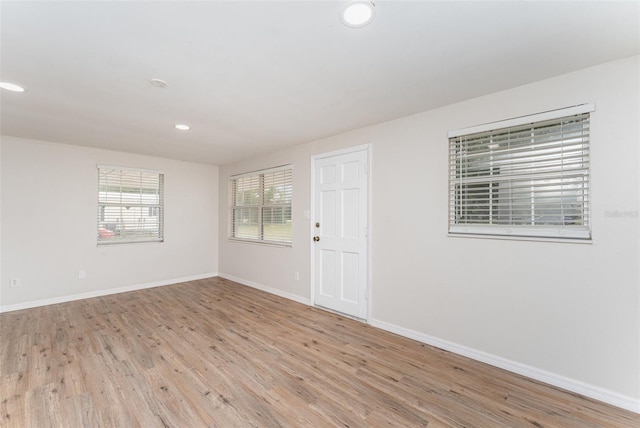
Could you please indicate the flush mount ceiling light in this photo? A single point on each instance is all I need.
(358, 13)
(182, 127)
(11, 87)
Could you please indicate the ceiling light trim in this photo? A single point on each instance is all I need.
(158, 83)
(358, 13)
(12, 87)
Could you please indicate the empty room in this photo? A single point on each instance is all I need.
(319, 214)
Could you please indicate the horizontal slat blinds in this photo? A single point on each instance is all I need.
(526, 180)
(260, 206)
(276, 209)
(246, 201)
(130, 205)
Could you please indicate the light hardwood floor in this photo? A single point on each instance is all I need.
(216, 353)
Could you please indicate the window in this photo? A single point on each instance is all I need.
(522, 177)
(130, 205)
(260, 206)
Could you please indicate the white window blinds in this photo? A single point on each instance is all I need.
(260, 206)
(528, 179)
(130, 205)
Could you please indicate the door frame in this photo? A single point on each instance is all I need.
(312, 287)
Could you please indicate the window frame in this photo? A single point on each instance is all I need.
(527, 230)
(113, 201)
(260, 206)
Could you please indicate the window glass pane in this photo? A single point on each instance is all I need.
(245, 223)
(247, 191)
(277, 187)
(277, 224)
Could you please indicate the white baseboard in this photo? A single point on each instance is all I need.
(553, 379)
(270, 290)
(71, 298)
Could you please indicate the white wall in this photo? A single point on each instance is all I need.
(567, 313)
(49, 214)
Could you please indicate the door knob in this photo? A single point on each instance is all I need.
(316, 238)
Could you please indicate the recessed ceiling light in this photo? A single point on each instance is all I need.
(182, 127)
(358, 13)
(11, 87)
(158, 83)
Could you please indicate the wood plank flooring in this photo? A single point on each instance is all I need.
(219, 354)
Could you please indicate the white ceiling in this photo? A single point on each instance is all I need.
(252, 77)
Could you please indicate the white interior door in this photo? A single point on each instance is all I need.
(340, 226)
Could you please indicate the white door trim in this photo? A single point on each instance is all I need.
(367, 149)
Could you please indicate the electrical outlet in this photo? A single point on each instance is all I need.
(82, 274)
(296, 276)
(15, 282)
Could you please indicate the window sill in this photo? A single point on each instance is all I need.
(262, 243)
(522, 238)
(128, 242)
